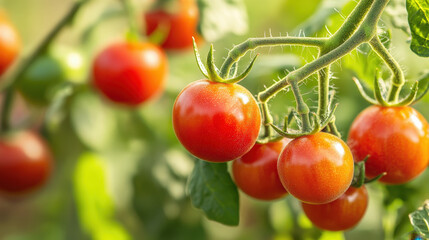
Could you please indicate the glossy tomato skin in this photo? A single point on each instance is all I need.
(396, 140)
(10, 43)
(130, 73)
(255, 173)
(317, 168)
(182, 24)
(216, 122)
(25, 162)
(341, 214)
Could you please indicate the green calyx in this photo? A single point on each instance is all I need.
(380, 98)
(212, 73)
(359, 178)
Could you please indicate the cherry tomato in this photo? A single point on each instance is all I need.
(255, 173)
(341, 214)
(10, 44)
(317, 168)
(41, 79)
(25, 162)
(182, 24)
(216, 122)
(130, 73)
(396, 140)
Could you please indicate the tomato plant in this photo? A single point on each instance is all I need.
(10, 43)
(255, 173)
(396, 139)
(342, 214)
(216, 122)
(25, 162)
(317, 168)
(130, 73)
(181, 24)
(274, 106)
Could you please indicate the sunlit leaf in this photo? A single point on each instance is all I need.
(95, 206)
(418, 19)
(93, 121)
(420, 220)
(212, 190)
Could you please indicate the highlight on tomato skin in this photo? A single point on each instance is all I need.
(342, 214)
(181, 24)
(396, 140)
(216, 122)
(25, 163)
(316, 168)
(255, 173)
(10, 43)
(130, 73)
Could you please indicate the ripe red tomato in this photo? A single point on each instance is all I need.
(216, 122)
(25, 162)
(341, 214)
(10, 44)
(316, 168)
(255, 173)
(395, 138)
(182, 24)
(130, 72)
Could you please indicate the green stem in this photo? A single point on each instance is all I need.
(365, 33)
(9, 90)
(323, 101)
(350, 25)
(346, 30)
(333, 128)
(301, 107)
(252, 43)
(267, 120)
(134, 34)
(398, 79)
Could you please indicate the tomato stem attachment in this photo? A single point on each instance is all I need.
(10, 88)
(133, 34)
(398, 79)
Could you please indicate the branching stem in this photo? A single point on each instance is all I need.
(398, 79)
(10, 89)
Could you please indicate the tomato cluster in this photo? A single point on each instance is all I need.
(219, 122)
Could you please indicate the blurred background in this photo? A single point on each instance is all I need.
(120, 173)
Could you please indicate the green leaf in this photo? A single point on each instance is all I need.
(212, 190)
(95, 206)
(222, 17)
(420, 220)
(93, 121)
(418, 19)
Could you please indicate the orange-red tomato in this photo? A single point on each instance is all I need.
(25, 162)
(182, 25)
(10, 44)
(396, 140)
(130, 73)
(341, 214)
(255, 173)
(216, 122)
(316, 168)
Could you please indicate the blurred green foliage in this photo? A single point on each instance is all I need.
(133, 183)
